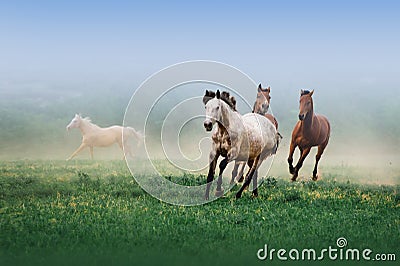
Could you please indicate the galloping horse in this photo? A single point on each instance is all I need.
(95, 136)
(311, 130)
(249, 138)
(261, 106)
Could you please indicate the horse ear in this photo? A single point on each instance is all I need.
(311, 93)
(233, 100)
(208, 96)
(259, 89)
(301, 92)
(269, 89)
(218, 94)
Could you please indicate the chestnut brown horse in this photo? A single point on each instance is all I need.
(311, 130)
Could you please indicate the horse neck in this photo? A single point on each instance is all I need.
(227, 116)
(308, 122)
(86, 126)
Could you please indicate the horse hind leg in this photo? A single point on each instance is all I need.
(321, 149)
(249, 176)
(127, 149)
(235, 172)
(255, 187)
(240, 177)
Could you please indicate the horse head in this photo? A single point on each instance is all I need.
(261, 104)
(306, 103)
(213, 110)
(75, 122)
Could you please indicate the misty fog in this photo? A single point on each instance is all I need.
(58, 60)
(364, 136)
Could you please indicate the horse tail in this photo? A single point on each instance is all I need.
(130, 132)
(278, 138)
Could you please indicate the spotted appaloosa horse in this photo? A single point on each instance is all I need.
(261, 106)
(249, 138)
(311, 130)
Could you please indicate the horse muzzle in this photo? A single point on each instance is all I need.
(208, 125)
(301, 117)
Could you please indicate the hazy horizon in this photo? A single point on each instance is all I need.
(62, 58)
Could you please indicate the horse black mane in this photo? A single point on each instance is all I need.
(225, 96)
(304, 92)
(230, 100)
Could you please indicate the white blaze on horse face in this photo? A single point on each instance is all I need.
(262, 103)
(74, 122)
(213, 113)
(306, 106)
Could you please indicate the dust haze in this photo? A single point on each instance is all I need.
(364, 144)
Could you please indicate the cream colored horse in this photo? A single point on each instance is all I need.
(95, 136)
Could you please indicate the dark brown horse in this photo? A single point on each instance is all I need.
(311, 130)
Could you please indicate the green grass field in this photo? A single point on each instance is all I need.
(93, 212)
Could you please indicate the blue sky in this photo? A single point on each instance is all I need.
(298, 42)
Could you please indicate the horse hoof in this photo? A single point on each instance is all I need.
(314, 178)
(291, 170)
(255, 194)
(219, 193)
(293, 179)
(238, 195)
(206, 197)
(241, 179)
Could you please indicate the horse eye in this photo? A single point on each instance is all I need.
(217, 107)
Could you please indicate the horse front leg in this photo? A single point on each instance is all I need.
(299, 164)
(249, 176)
(222, 165)
(91, 152)
(83, 145)
(211, 171)
(290, 157)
